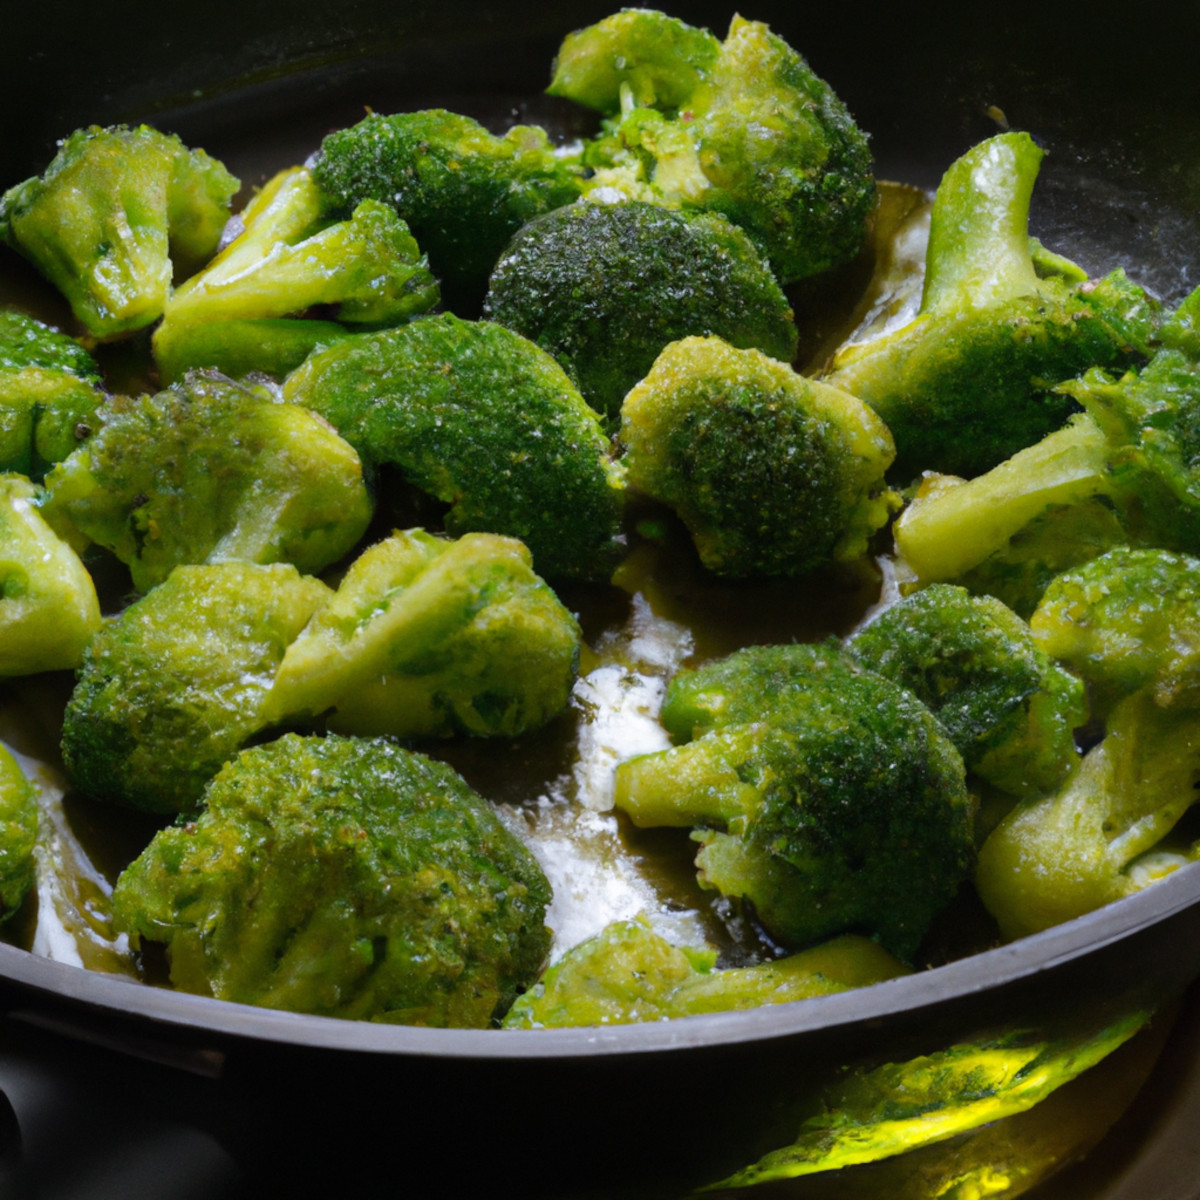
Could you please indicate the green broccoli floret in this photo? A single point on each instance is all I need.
(605, 287)
(463, 191)
(429, 638)
(1011, 712)
(1180, 330)
(627, 973)
(48, 605)
(293, 255)
(18, 834)
(1102, 835)
(483, 420)
(345, 877)
(173, 687)
(827, 796)
(50, 388)
(971, 380)
(209, 470)
(117, 213)
(742, 128)
(773, 474)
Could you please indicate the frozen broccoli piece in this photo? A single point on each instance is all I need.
(605, 287)
(345, 877)
(478, 417)
(1180, 330)
(827, 796)
(772, 473)
(210, 470)
(50, 388)
(627, 973)
(173, 687)
(1011, 712)
(292, 256)
(741, 127)
(462, 190)
(971, 380)
(117, 213)
(18, 834)
(429, 638)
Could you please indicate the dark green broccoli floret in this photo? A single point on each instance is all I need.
(463, 191)
(1009, 709)
(291, 256)
(773, 474)
(605, 287)
(971, 380)
(174, 687)
(829, 797)
(743, 128)
(115, 215)
(428, 638)
(345, 877)
(209, 470)
(483, 420)
(18, 834)
(50, 388)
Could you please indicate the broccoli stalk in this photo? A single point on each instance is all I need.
(18, 834)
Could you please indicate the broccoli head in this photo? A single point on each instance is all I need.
(50, 388)
(741, 127)
(604, 287)
(427, 637)
(772, 473)
(346, 877)
(827, 796)
(292, 256)
(462, 190)
(209, 470)
(480, 418)
(117, 213)
(173, 687)
(971, 379)
(18, 834)
(1010, 710)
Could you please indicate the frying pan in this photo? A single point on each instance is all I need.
(306, 1104)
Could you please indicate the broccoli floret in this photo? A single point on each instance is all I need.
(345, 877)
(605, 287)
(463, 191)
(970, 380)
(829, 797)
(117, 213)
(430, 638)
(773, 474)
(18, 834)
(291, 256)
(1100, 837)
(743, 128)
(209, 470)
(483, 420)
(174, 686)
(1010, 710)
(627, 973)
(50, 388)
(1180, 330)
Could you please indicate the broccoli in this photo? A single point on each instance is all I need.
(18, 834)
(50, 388)
(463, 191)
(827, 796)
(773, 474)
(483, 420)
(627, 973)
(742, 128)
(970, 380)
(209, 470)
(1010, 710)
(605, 287)
(290, 257)
(48, 605)
(345, 877)
(117, 213)
(173, 687)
